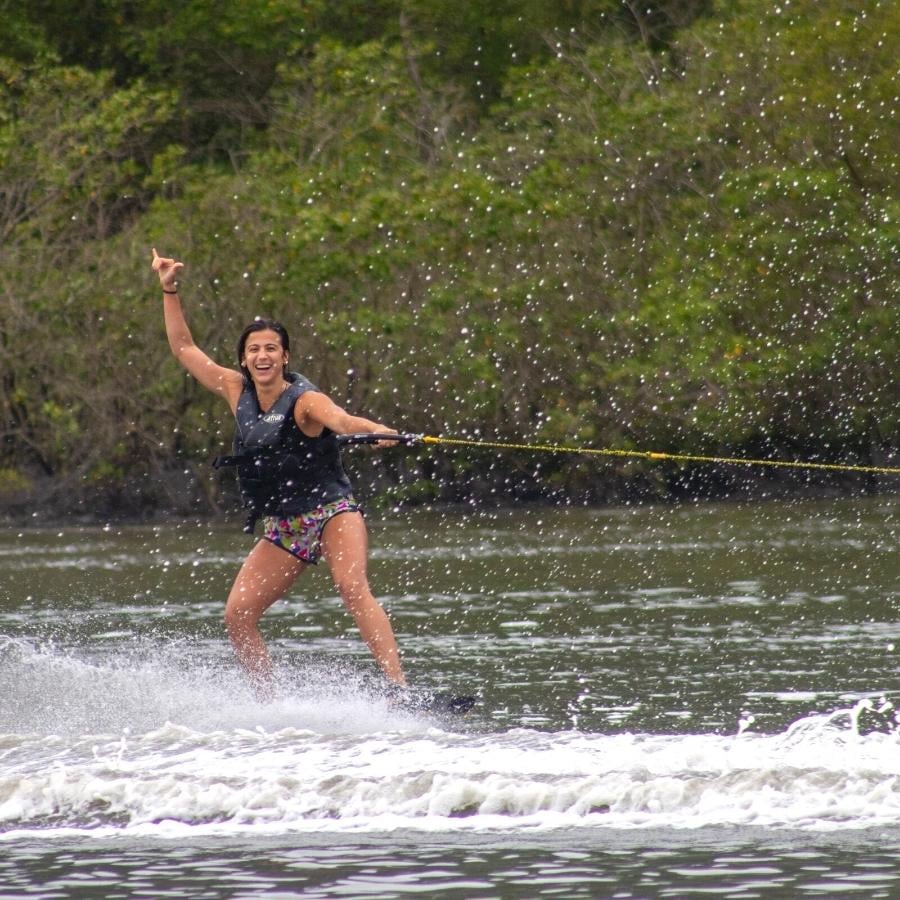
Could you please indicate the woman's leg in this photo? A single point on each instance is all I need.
(345, 547)
(265, 576)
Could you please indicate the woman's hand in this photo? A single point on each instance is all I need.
(167, 269)
(384, 429)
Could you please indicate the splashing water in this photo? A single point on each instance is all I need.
(142, 743)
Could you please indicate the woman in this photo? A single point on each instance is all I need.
(291, 476)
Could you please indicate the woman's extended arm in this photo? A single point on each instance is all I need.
(315, 411)
(218, 379)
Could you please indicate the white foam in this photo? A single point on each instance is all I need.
(299, 780)
(145, 745)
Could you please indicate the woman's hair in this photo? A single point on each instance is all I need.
(261, 324)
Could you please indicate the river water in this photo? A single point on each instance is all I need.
(673, 701)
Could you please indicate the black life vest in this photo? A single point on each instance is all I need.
(282, 471)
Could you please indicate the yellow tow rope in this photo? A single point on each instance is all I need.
(657, 456)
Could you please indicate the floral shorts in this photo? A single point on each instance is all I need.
(301, 535)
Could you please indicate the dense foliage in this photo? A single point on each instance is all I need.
(667, 226)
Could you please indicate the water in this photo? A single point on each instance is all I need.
(672, 702)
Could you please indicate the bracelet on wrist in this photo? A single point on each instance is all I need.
(170, 292)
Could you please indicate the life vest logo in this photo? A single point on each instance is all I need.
(272, 418)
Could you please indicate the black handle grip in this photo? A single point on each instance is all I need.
(369, 437)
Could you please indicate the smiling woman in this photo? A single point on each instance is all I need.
(259, 352)
(291, 476)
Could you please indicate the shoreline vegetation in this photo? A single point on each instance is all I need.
(674, 228)
(386, 497)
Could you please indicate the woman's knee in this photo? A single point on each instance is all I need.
(355, 592)
(238, 614)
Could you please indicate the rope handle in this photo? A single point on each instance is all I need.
(370, 437)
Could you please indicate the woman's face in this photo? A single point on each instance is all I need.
(264, 357)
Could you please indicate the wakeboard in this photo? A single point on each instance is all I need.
(436, 702)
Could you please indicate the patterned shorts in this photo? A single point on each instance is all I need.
(301, 535)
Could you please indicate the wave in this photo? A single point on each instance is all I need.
(147, 744)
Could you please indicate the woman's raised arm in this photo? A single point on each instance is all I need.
(218, 379)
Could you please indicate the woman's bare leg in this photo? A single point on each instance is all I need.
(345, 547)
(265, 576)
